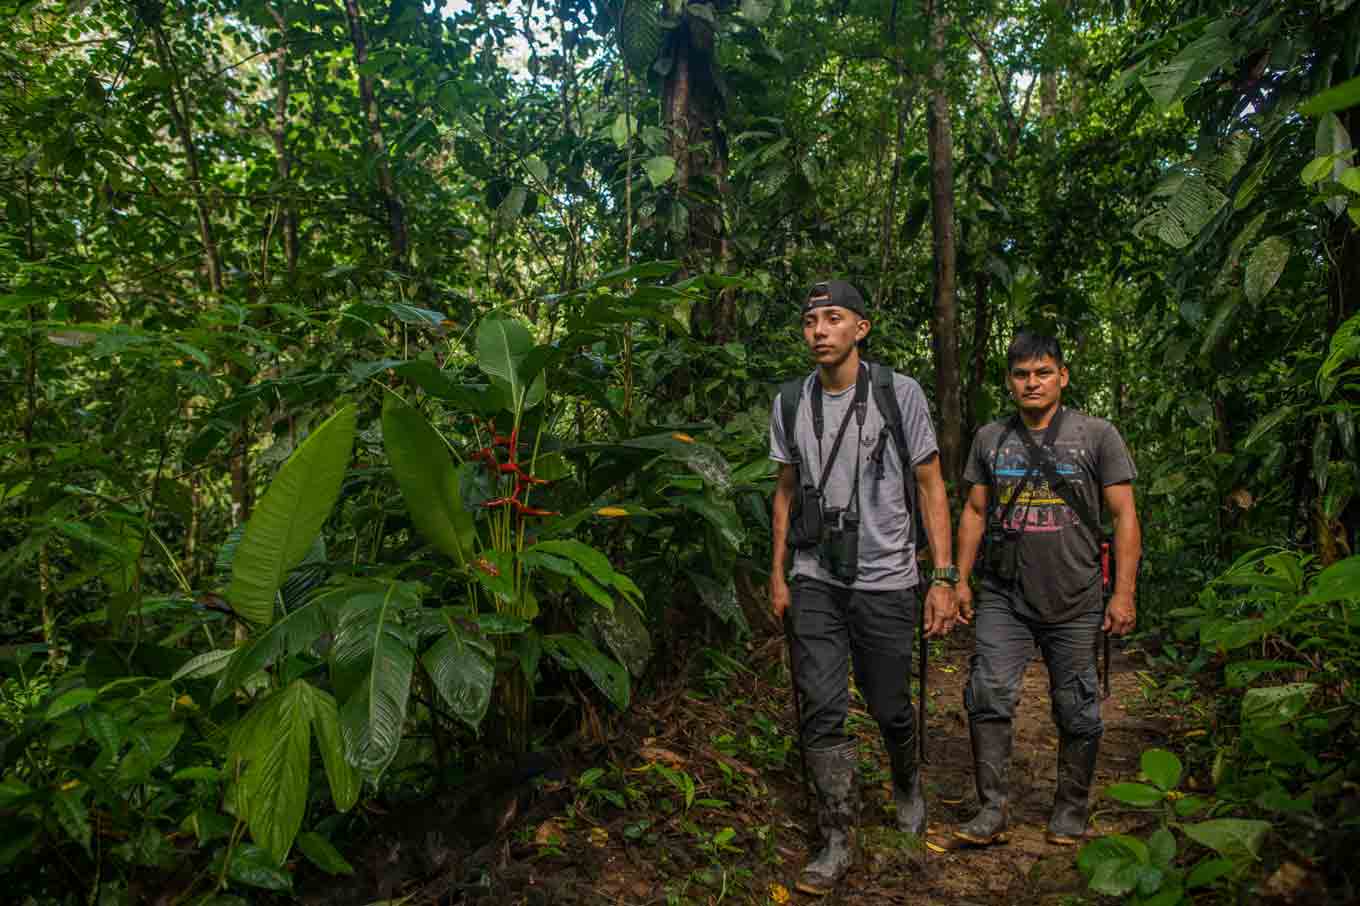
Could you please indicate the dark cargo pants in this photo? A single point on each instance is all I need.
(1005, 642)
(833, 627)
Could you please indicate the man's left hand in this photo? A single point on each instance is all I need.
(1120, 615)
(942, 610)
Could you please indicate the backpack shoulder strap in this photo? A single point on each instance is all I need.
(885, 397)
(790, 395)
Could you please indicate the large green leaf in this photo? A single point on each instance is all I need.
(287, 520)
(295, 632)
(1136, 794)
(275, 745)
(502, 344)
(342, 776)
(323, 854)
(607, 674)
(1233, 838)
(463, 675)
(1161, 767)
(1274, 706)
(1265, 266)
(1169, 83)
(372, 661)
(429, 483)
(1334, 99)
(722, 515)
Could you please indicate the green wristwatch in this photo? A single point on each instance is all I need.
(945, 575)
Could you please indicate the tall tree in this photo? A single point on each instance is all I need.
(944, 320)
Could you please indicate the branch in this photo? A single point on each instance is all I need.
(1001, 91)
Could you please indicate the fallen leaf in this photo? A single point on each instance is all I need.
(549, 834)
(656, 753)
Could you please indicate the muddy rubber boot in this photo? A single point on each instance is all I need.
(1076, 768)
(991, 763)
(833, 773)
(906, 774)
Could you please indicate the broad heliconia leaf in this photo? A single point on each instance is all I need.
(607, 674)
(287, 519)
(209, 663)
(372, 661)
(502, 343)
(342, 776)
(1334, 99)
(276, 748)
(463, 676)
(1265, 266)
(722, 515)
(73, 814)
(295, 632)
(592, 562)
(429, 483)
(1172, 82)
(1162, 768)
(1232, 838)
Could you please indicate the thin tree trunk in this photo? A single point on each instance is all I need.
(691, 104)
(982, 335)
(396, 213)
(177, 105)
(888, 230)
(944, 317)
(283, 162)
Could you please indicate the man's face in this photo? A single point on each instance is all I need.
(1037, 384)
(831, 332)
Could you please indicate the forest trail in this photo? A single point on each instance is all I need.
(747, 830)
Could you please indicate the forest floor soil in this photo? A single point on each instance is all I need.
(615, 827)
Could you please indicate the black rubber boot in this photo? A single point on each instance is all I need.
(906, 774)
(1076, 768)
(991, 764)
(833, 773)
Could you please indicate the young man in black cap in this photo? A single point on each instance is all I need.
(1039, 479)
(859, 453)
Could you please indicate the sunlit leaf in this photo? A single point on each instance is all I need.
(287, 519)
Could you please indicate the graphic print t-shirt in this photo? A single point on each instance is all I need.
(1059, 554)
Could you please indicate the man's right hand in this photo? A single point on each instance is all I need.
(963, 594)
(779, 595)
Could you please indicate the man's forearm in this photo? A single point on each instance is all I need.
(935, 512)
(1128, 550)
(779, 526)
(970, 538)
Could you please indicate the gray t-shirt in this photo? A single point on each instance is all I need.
(1059, 554)
(887, 543)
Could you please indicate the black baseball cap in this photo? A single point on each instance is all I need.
(834, 292)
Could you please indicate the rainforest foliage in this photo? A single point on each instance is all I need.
(386, 387)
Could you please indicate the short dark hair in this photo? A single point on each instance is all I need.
(1027, 345)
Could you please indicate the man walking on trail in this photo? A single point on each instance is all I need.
(1039, 478)
(855, 444)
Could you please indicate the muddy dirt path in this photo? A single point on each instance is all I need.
(695, 798)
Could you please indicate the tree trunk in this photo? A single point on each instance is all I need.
(283, 162)
(982, 338)
(177, 105)
(396, 213)
(944, 318)
(692, 107)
